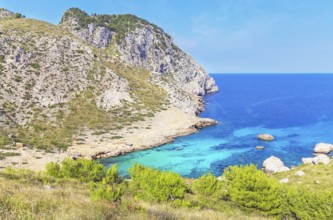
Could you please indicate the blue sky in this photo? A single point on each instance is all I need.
(225, 36)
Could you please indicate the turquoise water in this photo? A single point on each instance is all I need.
(297, 109)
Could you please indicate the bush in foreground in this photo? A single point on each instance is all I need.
(155, 185)
(84, 170)
(251, 188)
(208, 185)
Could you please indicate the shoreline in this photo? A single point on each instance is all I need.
(153, 132)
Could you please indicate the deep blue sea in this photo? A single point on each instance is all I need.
(296, 108)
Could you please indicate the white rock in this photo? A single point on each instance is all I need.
(274, 165)
(321, 158)
(265, 137)
(286, 180)
(323, 148)
(307, 160)
(283, 169)
(299, 173)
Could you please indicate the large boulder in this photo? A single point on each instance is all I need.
(265, 137)
(274, 165)
(323, 148)
(321, 158)
(308, 160)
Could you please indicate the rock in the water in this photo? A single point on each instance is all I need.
(260, 147)
(274, 165)
(321, 158)
(307, 160)
(323, 148)
(265, 137)
(286, 180)
(299, 173)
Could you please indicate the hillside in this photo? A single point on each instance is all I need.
(88, 82)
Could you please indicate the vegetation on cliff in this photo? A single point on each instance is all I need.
(120, 24)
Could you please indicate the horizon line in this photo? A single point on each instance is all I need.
(270, 73)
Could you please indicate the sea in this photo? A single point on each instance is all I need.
(297, 109)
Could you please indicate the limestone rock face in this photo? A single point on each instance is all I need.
(274, 165)
(5, 13)
(323, 148)
(99, 37)
(147, 46)
(265, 137)
(53, 71)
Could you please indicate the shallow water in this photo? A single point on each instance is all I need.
(297, 109)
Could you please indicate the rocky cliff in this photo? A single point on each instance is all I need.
(132, 40)
(94, 73)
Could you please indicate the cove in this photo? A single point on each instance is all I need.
(296, 108)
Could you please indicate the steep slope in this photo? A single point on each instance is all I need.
(91, 79)
(129, 39)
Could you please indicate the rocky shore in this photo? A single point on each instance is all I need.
(152, 132)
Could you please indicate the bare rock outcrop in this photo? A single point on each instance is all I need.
(135, 41)
(274, 165)
(321, 158)
(5, 13)
(323, 148)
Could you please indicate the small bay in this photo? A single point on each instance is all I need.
(295, 108)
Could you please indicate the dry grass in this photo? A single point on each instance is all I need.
(155, 211)
(23, 195)
(21, 198)
(30, 25)
(317, 178)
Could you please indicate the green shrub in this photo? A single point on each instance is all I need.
(112, 175)
(304, 204)
(155, 185)
(84, 170)
(19, 15)
(35, 66)
(106, 192)
(53, 169)
(207, 185)
(251, 188)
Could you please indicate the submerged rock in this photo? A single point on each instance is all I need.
(274, 165)
(265, 137)
(323, 148)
